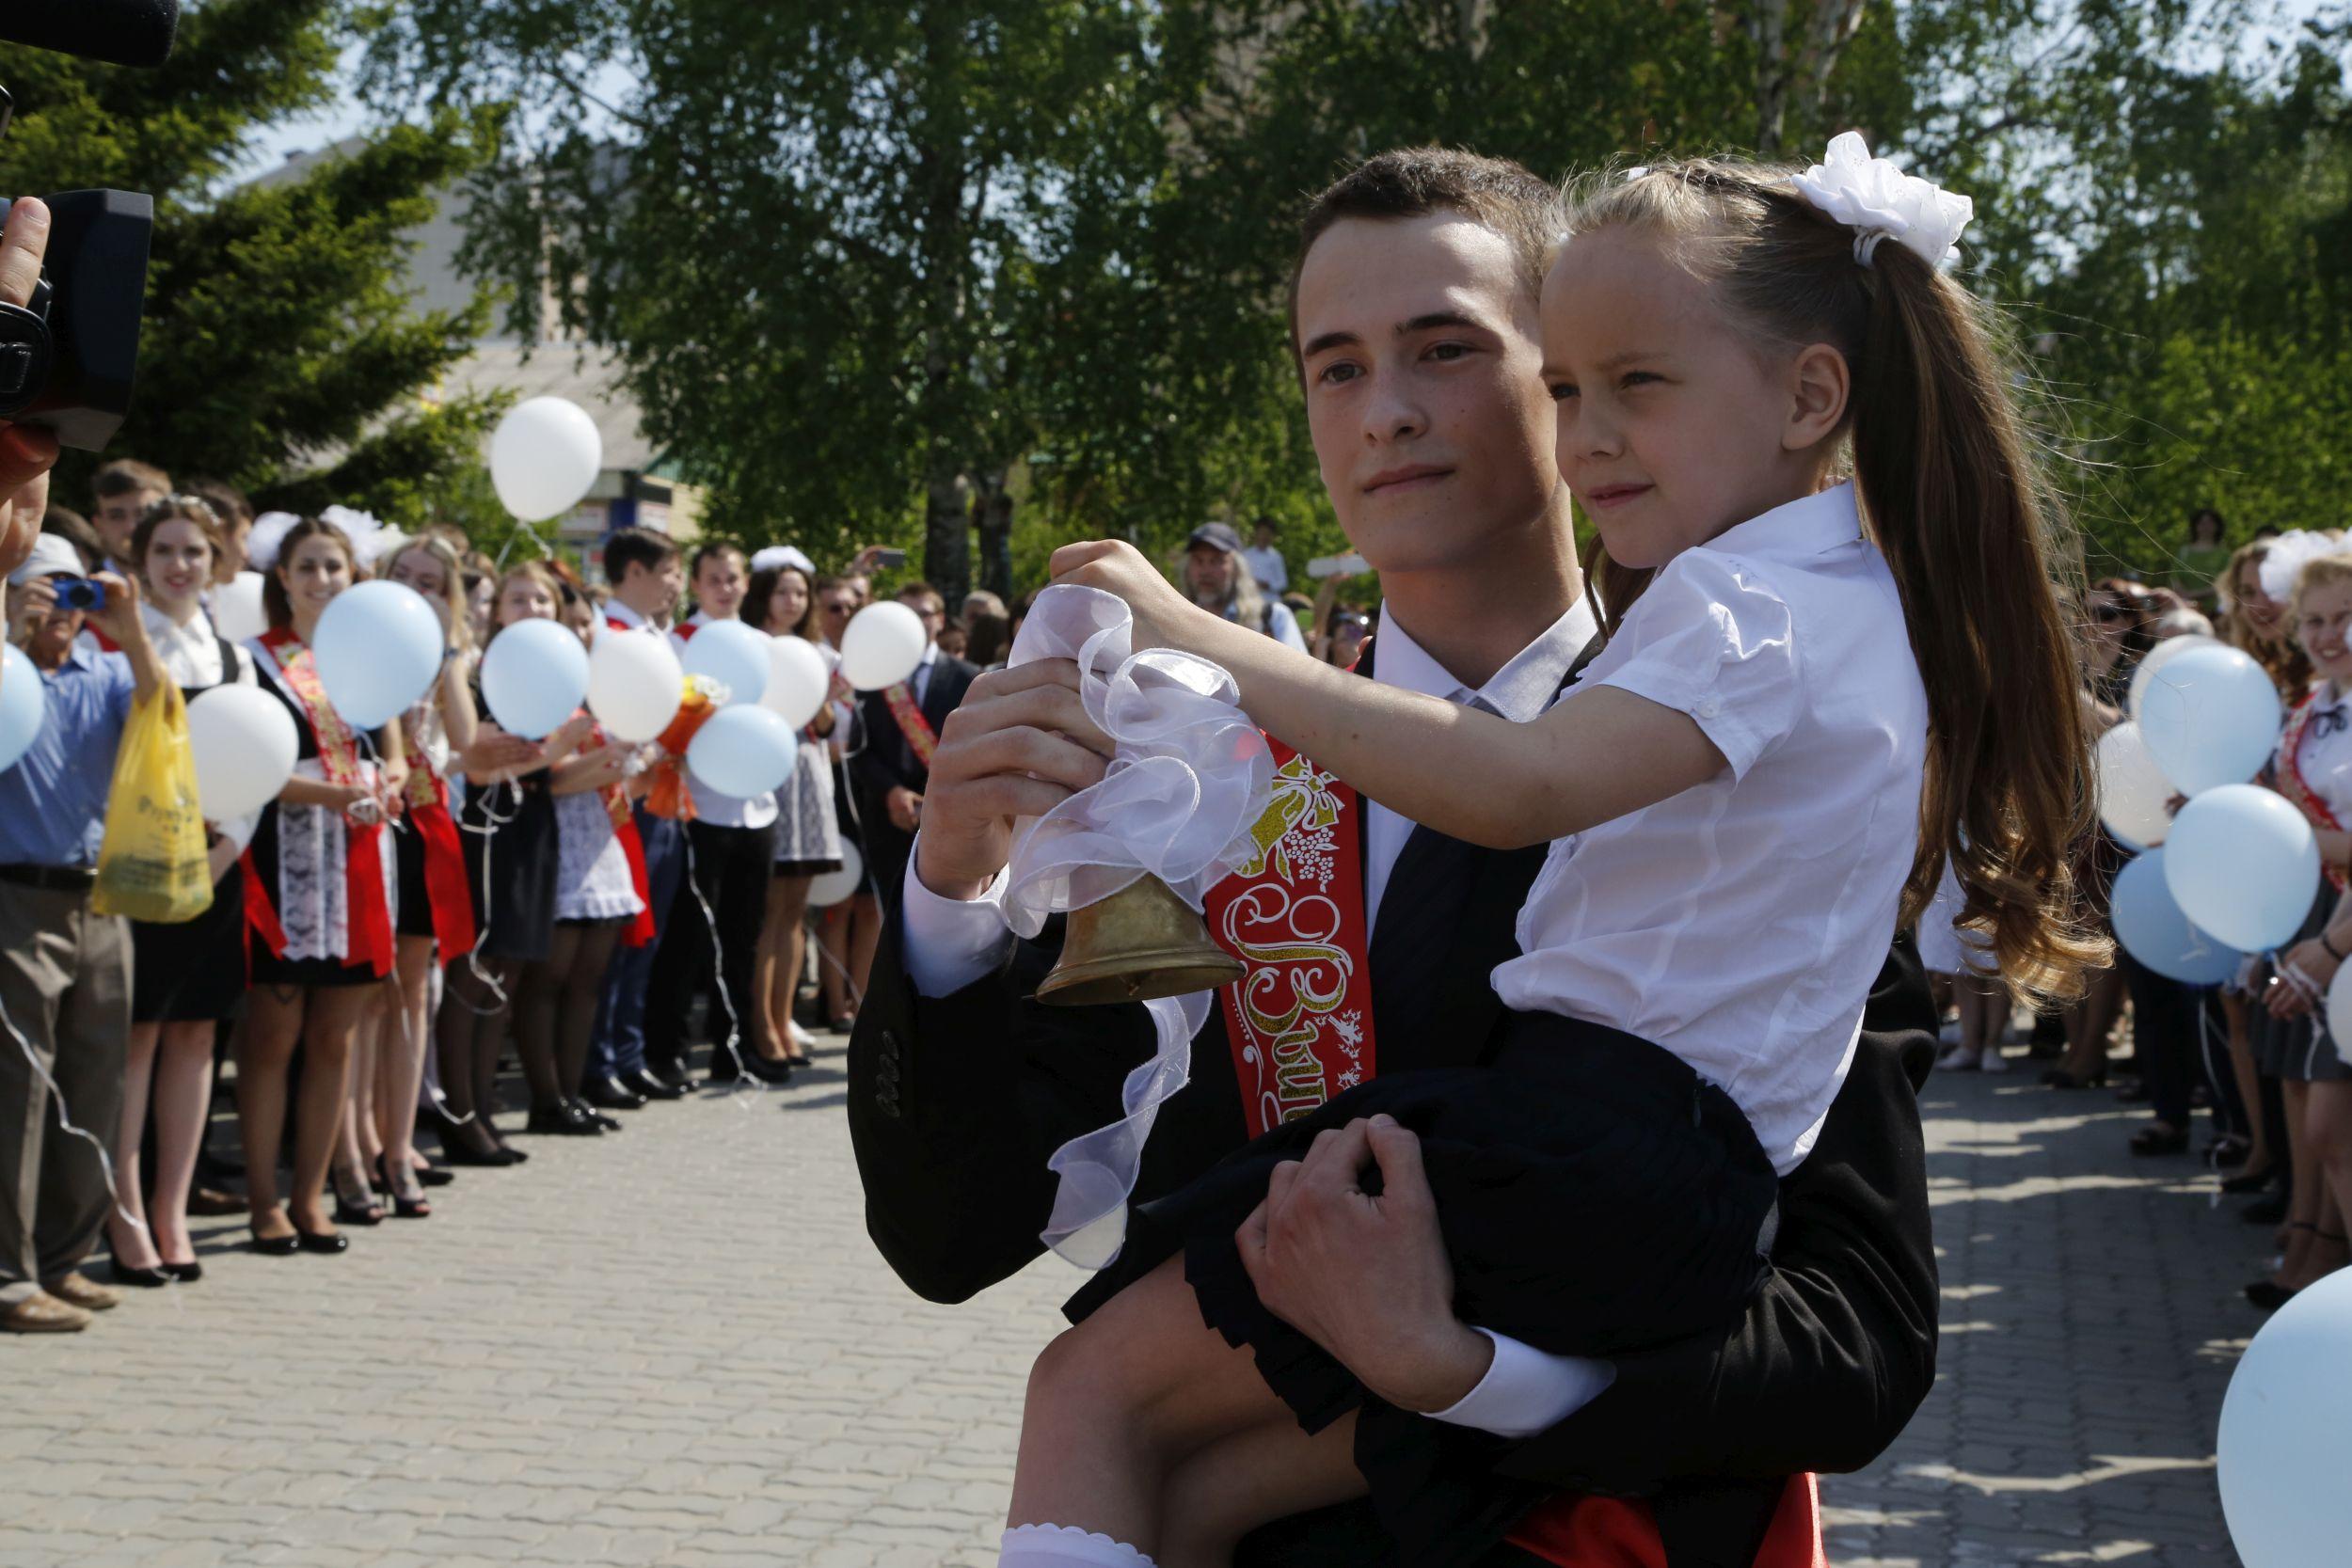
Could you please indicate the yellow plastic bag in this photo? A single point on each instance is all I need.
(151, 864)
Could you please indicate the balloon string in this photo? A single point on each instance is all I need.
(491, 822)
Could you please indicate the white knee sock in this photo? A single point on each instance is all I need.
(1065, 1546)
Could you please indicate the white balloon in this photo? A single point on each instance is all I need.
(634, 684)
(533, 677)
(884, 645)
(2158, 658)
(828, 888)
(2133, 790)
(2243, 866)
(2210, 717)
(2280, 1447)
(798, 679)
(734, 654)
(242, 742)
(544, 457)
(743, 750)
(378, 648)
(237, 608)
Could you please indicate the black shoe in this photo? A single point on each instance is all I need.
(2269, 1296)
(610, 1094)
(2266, 1210)
(435, 1176)
(645, 1083)
(186, 1274)
(2058, 1078)
(2160, 1140)
(2248, 1182)
(347, 1211)
(146, 1280)
(459, 1153)
(729, 1069)
(275, 1246)
(311, 1241)
(564, 1119)
(609, 1124)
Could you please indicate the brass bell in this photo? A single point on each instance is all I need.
(1138, 944)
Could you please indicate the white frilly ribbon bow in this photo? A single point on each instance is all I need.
(2285, 558)
(1880, 202)
(1189, 779)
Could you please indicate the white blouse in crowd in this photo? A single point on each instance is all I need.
(723, 811)
(2324, 757)
(1740, 923)
(313, 843)
(190, 656)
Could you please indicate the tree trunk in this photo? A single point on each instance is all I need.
(947, 523)
(992, 509)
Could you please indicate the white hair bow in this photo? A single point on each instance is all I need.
(269, 531)
(2285, 558)
(782, 555)
(1881, 202)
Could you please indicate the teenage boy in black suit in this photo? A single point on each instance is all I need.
(1416, 288)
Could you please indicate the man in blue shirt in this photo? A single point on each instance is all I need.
(65, 972)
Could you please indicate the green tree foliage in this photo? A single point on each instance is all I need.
(888, 270)
(280, 349)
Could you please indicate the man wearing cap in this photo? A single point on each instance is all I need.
(65, 972)
(1218, 579)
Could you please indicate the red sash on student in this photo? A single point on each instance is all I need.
(640, 931)
(899, 699)
(445, 882)
(368, 937)
(1613, 1533)
(2292, 783)
(1299, 1023)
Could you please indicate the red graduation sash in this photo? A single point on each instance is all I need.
(368, 937)
(445, 882)
(2295, 788)
(919, 734)
(1578, 1531)
(1300, 1023)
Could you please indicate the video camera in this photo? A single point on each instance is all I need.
(68, 357)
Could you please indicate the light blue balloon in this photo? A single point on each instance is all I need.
(743, 750)
(2242, 864)
(2150, 924)
(534, 677)
(23, 704)
(732, 655)
(2281, 1447)
(378, 648)
(2209, 718)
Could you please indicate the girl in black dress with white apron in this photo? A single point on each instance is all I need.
(319, 904)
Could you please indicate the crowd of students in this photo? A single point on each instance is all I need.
(2255, 1052)
(417, 899)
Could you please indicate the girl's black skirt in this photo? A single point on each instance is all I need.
(1597, 1197)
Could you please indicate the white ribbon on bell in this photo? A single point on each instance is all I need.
(1881, 202)
(1189, 779)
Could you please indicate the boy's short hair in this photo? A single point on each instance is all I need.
(74, 528)
(1415, 181)
(127, 475)
(624, 547)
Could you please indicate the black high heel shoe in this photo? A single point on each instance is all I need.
(146, 1280)
(313, 1240)
(417, 1208)
(352, 1211)
(2247, 1182)
(2058, 1078)
(184, 1274)
(275, 1246)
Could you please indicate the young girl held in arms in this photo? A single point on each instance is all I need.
(1816, 691)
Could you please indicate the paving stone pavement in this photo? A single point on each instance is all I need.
(675, 1346)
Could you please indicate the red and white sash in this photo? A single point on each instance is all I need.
(1300, 1023)
(921, 738)
(368, 938)
(2296, 787)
